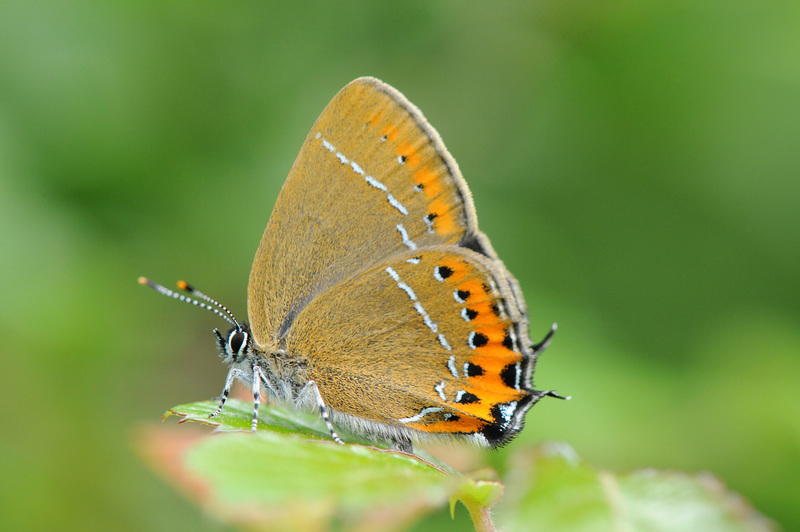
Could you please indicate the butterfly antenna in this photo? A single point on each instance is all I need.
(183, 285)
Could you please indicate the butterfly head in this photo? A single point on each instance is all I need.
(236, 346)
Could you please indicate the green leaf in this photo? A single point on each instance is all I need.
(290, 475)
(238, 415)
(550, 488)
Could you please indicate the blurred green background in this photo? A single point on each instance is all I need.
(635, 163)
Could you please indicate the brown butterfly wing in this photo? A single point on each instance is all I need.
(431, 341)
(372, 179)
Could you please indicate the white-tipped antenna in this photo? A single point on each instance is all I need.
(183, 285)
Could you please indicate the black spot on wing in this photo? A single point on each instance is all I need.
(509, 375)
(468, 398)
(477, 339)
(444, 271)
(474, 370)
(508, 341)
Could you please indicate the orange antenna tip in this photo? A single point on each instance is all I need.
(143, 280)
(183, 285)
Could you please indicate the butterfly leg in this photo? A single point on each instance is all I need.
(323, 410)
(403, 444)
(232, 374)
(258, 376)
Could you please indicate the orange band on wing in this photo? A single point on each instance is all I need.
(445, 219)
(390, 132)
(429, 181)
(464, 424)
(486, 313)
(410, 155)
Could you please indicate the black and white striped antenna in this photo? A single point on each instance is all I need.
(211, 304)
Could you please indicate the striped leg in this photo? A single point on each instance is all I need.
(232, 374)
(323, 410)
(258, 376)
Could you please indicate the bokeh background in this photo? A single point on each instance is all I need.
(636, 164)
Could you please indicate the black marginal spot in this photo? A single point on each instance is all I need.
(497, 414)
(431, 215)
(468, 398)
(477, 339)
(474, 370)
(471, 314)
(473, 242)
(487, 288)
(403, 159)
(501, 431)
(384, 137)
(509, 376)
(508, 341)
(496, 434)
(453, 417)
(495, 309)
(464, 294)
(444, 271)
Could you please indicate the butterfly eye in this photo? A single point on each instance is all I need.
(237, 342)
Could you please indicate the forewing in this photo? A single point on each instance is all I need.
(372, 179)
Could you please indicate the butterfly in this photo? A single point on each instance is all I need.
(374, 297)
